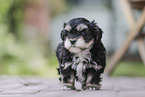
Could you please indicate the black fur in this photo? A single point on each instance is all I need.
(98, 52)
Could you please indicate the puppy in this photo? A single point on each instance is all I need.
(81, 54)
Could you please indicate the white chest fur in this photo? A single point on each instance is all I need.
(79, 65)
(81, 61)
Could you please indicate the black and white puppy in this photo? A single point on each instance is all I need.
(81, 54)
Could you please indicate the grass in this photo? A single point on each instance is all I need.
(130, 69)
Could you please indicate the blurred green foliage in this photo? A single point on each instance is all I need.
(17, 58)
(14, 17)
(130, 69)
(17, 55)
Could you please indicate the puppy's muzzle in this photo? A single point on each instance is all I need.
(72, 42)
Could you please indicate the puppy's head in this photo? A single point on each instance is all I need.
(79, 34)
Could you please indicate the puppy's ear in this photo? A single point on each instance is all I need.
(63, 33)
(96, 31)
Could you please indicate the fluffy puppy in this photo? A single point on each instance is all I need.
(81, 54)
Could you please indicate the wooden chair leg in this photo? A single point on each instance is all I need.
(132, 34)
(141, 48)
(128, 13)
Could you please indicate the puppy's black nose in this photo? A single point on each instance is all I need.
(72, 41)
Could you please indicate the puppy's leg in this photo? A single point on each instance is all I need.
(67, 79)
(92, 80)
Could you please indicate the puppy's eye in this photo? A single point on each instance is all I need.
(84, 30)
(65, 32)
(83, 33)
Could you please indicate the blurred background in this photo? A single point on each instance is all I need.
(30, 31)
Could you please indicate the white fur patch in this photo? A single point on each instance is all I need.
(68, 28)
(67, 43)
(89, 78)
(80, 27)
(82, 44)
(80, 71)
(74, 50)
(80, 68)
(66, 65)
(78, 46)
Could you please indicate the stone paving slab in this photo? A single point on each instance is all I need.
(40, 87)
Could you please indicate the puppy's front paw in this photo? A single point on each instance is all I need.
(68, 86)
(92, 87)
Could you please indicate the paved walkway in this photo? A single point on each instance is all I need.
(39, 87)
